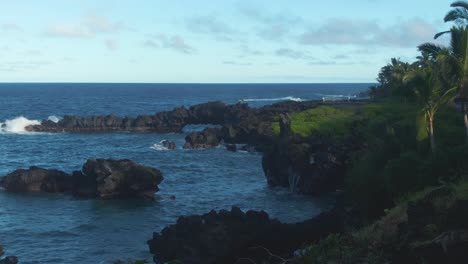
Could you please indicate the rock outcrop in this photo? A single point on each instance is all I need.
(36, 179)
(98, 179)
(116, 179)
(208, 138)
(236, 237)
(168, 144)
(309, 166)
(240, 123)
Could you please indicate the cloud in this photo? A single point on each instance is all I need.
(68, 31)
(16, 66)
(111, 44)
(211, 25)
(174, 42)
(271, 27)
(404, 33)
(236, 63)
(10, 27)
(247, 51)
(293, 54)
(89, 26)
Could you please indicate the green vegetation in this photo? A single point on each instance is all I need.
(381, 241)
(399, 166)
(323, 120)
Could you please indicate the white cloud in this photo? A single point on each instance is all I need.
(174, 42)
(404, 33)
(212, 26)
(90, 26)
(293, 54)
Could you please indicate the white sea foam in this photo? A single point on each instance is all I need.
(54, 119)
(287, 98)
(159, 146)
(336, 97)
(17, 125)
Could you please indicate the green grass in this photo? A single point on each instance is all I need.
(323, 120)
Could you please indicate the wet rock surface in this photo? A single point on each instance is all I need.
(36, 179)
(99, 178)
(208, 138)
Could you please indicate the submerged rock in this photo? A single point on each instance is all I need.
(231, 236)
(36, 179)
(168, 144)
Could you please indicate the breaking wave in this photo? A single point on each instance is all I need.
(17, 125)
(287, 98)
(54, 119)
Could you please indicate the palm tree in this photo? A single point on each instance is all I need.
(427, 87)
(459, 15)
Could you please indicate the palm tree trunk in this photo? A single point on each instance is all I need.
(465, 115)
(431, 132)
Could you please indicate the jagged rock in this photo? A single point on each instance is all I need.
(36, 179)
(168, 144)
(99, 178)
(231, 147)
(230, 236)
(9, 260)
(116, 179)
(305, 165)
(208, 138)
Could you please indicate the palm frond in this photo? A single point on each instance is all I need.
(457, 15)
(463, 4)
(436, 36)
(430, 49)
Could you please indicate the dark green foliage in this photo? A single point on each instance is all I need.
(396, 159)
(402, 174)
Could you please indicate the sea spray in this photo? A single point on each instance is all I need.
(54, 119)
(287, 98)
(17, 125)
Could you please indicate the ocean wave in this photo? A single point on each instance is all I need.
(287, 98)
(159, 146)
(17, 125)
(336, 97)
(54, 118)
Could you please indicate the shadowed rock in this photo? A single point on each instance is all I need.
(231, 236)
(116, 179)
(36, 179)
(208, 138)
(99, 178)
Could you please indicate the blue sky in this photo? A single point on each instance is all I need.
(210, 41)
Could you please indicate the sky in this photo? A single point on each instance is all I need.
(228, 41)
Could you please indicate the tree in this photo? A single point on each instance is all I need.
(390, 79)
(459, 15)
(427, 87)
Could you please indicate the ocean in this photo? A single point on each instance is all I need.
(55, 228)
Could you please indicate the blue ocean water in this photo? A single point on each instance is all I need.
(49, 228)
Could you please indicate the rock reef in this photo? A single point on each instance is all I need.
(99, 178)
